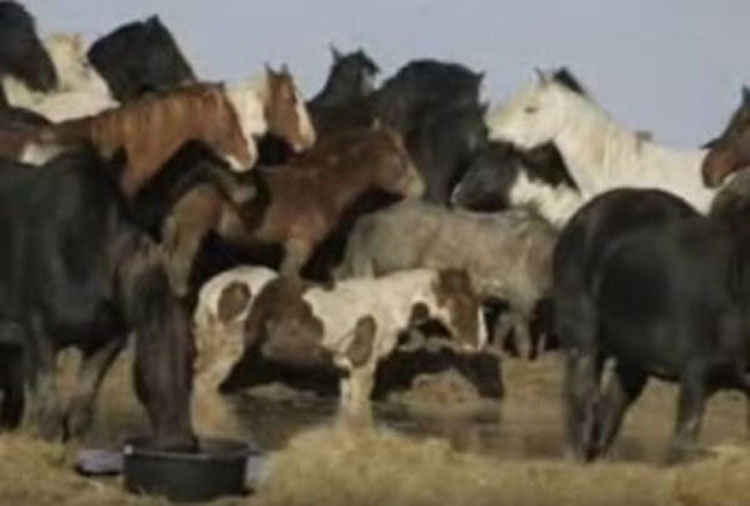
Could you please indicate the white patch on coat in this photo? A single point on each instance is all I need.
(81, 90)
(39, 154)
(556, 204)
(248, 99)
(307, 130)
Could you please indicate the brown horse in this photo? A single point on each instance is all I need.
(296, 205)
(153, 128)
(730, 152)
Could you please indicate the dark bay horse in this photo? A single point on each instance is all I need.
(730, 152)
(22, 54)
(295, 205)
(138, 57)
(85, 277)
(341, 102)
(641, 277)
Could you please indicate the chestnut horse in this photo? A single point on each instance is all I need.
(152, 129)
(731, 151)
(296, 205)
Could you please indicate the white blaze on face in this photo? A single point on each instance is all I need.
(248, 106)
(523, 119)
(39, 154)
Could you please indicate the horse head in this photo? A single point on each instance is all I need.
(21, 52)
(730, 152)
(285, 110)
(536, 114)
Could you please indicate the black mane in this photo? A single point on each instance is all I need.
(566, 78)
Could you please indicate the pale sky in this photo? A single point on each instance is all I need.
(674, 67)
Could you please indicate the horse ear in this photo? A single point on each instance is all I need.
(284, 68)
(543, 78)
(746, 94)
(479, 76)
(269, 70)
(335, 53)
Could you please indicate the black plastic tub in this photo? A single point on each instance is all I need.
(217, 469)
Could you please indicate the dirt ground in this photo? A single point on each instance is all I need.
(418, 452)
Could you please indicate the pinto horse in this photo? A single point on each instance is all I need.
(152, 129)
(138, 57)
(22, 54)
(599, 153)
(295, 205)
(730, 152)
(86, 277)
(641, 277)
(80, 90)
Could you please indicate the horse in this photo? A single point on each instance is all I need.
(22, 54)
(139, 57)
(295, 205)
(85, 278)
(730, 152)
(501, 177)
(599, 153)
(420, 87)
(510, 258)
(153, 128)
(444, 144)
(81, 91)
(640, 276)
(340, 104)
(351, 326)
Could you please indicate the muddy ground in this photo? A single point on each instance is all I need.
(436, 446)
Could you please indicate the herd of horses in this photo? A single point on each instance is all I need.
(331, 235)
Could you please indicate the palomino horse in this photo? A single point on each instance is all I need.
(152, 129)
(296, 205)
(599, 153)
(731, 151)
(80, 92)
(22, 54)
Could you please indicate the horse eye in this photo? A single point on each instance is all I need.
(531, 109)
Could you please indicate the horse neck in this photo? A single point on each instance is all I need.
(336, 91)
(349, 180)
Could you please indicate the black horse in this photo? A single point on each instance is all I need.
(352, 76)
(494, 177)
(22, 54)
(74, 271)
(444, 144)
(139, 57)
(640, 277)
(419, 88)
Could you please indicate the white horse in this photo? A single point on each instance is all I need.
(600, 154)
(81, 90)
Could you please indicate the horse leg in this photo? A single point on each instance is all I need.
(522, 337)
(48, 411)
(622, 389)
(94, 365)
(12, 386)
(581, 389)
(194, 216)
(296, 253)
(691, 404)
(360, 361)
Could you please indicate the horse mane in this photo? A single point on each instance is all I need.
(565, 78)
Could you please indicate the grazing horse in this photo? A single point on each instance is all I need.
(153, 128)
(730, 152)
(510, 257)
(22, 54)
(444, 144)
(351, 326)
(139, 57)
(420, 87)
(86, 277)
(502, 176)
(641, 277)
(341, 102)
(295, 205)
(80, 91)
(599, 153)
